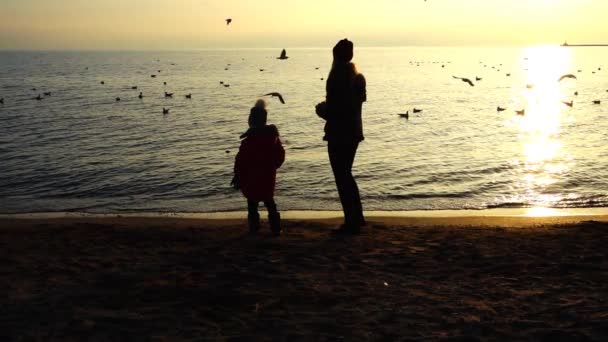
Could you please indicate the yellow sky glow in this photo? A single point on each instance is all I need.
(190, 24)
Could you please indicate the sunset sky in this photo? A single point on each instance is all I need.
(192, 24)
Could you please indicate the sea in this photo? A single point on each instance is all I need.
(80, 150)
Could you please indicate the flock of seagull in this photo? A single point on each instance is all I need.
(520, 112)
(165, 111)
(283, 56)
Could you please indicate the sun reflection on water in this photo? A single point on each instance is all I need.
(543, 158)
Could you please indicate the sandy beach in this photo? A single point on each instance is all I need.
(167, 279)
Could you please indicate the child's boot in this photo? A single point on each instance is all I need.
(254, 222)
(275, 222)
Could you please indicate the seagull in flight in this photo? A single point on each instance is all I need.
(275, 94)
(466, 80)
(228, 21)
(283, 55)
(566, 76)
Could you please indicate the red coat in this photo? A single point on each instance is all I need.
(260, 155)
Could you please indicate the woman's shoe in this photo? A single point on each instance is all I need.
(346, 230)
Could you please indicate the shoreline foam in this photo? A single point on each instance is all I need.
(521, 217)
(329, 214)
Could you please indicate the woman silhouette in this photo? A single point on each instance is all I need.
(344, 130)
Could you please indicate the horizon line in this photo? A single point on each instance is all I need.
(304, 47)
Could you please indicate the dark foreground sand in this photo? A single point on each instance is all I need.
(177, 279)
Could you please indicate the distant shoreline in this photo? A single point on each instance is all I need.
(584, 45)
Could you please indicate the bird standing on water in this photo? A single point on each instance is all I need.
(283, 55)
(228, 21)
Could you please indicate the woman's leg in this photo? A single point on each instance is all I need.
(341, 157)
(253, 216)
(338, 166)
(353, 189)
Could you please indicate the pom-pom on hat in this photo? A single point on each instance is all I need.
(258, 114)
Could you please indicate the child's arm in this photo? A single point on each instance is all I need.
(239, 160)
(279, 153)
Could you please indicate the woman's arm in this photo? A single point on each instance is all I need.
(359, 86)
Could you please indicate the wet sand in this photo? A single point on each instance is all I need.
(165, 279)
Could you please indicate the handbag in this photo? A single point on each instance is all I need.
(321, 110)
